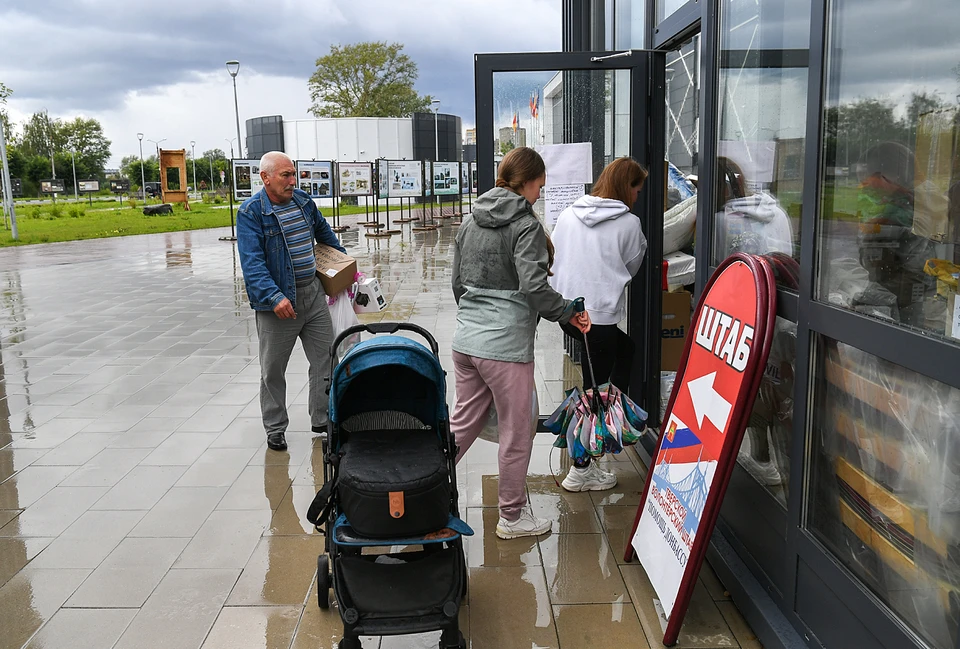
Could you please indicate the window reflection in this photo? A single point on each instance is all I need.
(891, 172)
(765, 450)
(886, 484)
(764, 52)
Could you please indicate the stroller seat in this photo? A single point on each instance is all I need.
(413, 473)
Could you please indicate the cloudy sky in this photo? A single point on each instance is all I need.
(158, 67)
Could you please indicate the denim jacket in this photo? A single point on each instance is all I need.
(264, 257)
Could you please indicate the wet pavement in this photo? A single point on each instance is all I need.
(140, 507)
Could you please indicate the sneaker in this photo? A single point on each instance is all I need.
(526, 525)
(765, 473)
(588, 478)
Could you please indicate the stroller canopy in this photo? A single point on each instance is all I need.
(389, 373)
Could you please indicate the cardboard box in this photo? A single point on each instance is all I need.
(336, 270)
(676, 313)
(369, 297)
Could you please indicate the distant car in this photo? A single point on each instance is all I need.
(153, 189)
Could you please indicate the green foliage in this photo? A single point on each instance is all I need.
(371, 79)
(76, 212)
(130, 168)
(506, 146)
(132, 203)
(56, 212)
(86, 138)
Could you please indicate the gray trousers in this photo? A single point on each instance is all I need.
(277, 338)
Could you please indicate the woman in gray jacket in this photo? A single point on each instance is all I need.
(500, 284)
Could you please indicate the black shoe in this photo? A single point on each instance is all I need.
(277, 441)
(319, 430)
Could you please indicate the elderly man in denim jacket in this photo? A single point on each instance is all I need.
(276, 230)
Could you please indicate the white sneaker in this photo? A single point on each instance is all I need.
(765, 473)
(589, 478)
(527, 525)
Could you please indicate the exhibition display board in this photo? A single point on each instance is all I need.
(315, 177)
(354, 179)
(246, 178)
(404, 178)
(709, 408)
(446, 178)
(52, 186)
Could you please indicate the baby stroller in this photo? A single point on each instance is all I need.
(390, 484)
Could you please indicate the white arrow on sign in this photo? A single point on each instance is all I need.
(708, 403)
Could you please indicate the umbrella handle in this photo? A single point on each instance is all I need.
(578, 307)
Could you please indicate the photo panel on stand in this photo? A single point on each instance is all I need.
(315, 177)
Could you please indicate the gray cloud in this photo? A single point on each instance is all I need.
(87, 56)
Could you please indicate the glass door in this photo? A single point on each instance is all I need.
(609, 103)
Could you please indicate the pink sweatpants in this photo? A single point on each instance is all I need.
(510, 386)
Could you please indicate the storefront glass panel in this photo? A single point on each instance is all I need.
(762, 94)
(890, 219)
(885, 484)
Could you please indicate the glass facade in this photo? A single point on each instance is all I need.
(886, 484)
(890, 163)
(868, 553)
(762, 92)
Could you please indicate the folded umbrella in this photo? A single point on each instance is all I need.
(598, 420)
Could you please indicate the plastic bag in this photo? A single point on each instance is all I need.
(491, 431)
(343, 317)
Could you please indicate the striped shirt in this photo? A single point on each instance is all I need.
(299, 238)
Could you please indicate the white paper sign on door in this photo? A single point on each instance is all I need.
(568, 164)
(557, 198)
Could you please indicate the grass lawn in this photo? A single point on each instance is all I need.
(70, 221)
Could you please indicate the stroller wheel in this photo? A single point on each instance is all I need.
(323, 581)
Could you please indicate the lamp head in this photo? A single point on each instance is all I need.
(193, 143)
(233, 67)
(140, 136)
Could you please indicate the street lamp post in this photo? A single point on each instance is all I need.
(230, 190)
(143, 177)
(213, 183)
(193, 155)
(73, 163)
(436, 153)
(157, 143)
(233, 67)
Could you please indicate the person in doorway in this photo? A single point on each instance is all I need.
(599, 247)
(276, 230)
(500, 285)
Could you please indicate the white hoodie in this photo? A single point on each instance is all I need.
(755, 224)
(599, 247)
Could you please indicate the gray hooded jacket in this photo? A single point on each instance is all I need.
(500, 280)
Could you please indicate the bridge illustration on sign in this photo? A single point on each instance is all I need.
(682, 468)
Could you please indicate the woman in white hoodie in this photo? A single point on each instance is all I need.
(599, 246)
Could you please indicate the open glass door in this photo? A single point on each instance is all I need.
(611, 103)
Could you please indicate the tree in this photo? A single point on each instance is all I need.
(215, 154)
(85, 137)
(42, 135)
(506, 146)
(130, 168)
(372, 79)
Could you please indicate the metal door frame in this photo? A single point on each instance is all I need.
(647, 124)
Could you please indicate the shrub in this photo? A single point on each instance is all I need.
(76, 213)
(132, 203)
(56, 212)
(207, 198)
(217, 200)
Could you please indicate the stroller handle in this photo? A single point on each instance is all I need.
(386, 328)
